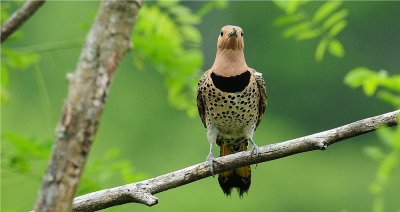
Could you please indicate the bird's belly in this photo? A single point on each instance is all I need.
(234, 114)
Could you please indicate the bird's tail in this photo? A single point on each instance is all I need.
(239, 178)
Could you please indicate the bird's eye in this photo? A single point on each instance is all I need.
(222, 33)
(242, 34)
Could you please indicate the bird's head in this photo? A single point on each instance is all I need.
(230, 38)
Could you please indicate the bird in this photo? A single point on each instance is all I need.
(231, 101)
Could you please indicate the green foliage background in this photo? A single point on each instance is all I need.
(144, 134)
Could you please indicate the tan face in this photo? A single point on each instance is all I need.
(230, 37)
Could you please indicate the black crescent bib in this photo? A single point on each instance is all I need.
(231, 84)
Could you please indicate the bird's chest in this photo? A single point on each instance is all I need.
(232, 113)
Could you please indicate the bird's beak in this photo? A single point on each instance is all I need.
(232, 33)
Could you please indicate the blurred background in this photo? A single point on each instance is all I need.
(150, 127)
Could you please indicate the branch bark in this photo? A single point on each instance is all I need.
(142, 192)
(106, 43)
(19, 17)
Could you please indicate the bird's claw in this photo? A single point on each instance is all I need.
(210, 160)
(254, 150)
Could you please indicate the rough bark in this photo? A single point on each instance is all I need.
(142, 192)
(106, 43)
(19, 17)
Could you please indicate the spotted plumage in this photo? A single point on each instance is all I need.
(231, 100)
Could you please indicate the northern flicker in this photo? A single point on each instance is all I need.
(231, 100)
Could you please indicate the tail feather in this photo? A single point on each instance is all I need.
(239, 178)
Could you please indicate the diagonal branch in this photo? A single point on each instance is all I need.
(142, 192)
(19, 17)
(106, 43)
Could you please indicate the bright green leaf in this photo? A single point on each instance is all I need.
(301, 27)
(390, 98)
(370, 87)
(391, 83)
(336, 48)
(337, 28)
(335, 18)
(305, 35)
(320, 51)
(288, 19)
(357, 76)
(325, 10)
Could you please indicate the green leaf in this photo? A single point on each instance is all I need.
(337, 28)
(288, 19)
(336, 48)
(370, 87)
(321, 48)
(391, 83)
(335, 18)
(371, 80)
(293, 30)
(357, 76)
(305, 35)
(390, 98)
(374, 153)
(325, 10)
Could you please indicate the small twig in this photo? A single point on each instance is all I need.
(19, 17)
(51, 46)
(142, 192)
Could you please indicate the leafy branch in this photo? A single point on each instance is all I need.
(174, 48)
(325, 24)
(387, 88)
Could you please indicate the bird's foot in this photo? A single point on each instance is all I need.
(210, 160)
(254, 149)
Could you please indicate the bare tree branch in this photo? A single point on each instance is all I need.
(106, 43)
(142, 192)
(19, 17)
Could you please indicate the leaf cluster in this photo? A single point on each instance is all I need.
(166, 38)
(326, 23)
(25, 156)
(387, 88)
(371, 81)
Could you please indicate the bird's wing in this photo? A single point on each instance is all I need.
(200, 101)
(263, 96)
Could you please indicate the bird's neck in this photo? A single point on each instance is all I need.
(229, 63)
